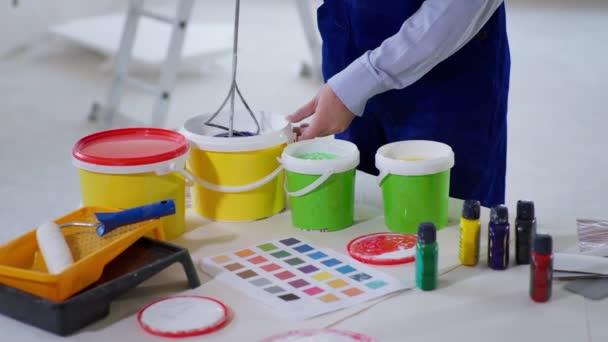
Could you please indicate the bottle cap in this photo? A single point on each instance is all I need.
(427, 233)
(525, 210)
(543, 244)
(471, 209)
(499, 214)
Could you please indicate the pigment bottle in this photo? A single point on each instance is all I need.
(498, 238)
(541, 268)
(426, 257)
(525, 228)
(470, 226)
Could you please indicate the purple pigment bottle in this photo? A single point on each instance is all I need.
(498, 238)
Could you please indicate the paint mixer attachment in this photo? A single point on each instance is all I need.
(234, 91)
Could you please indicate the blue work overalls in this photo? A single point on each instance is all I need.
(461, 102)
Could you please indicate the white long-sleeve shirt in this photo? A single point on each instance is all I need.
(435, 32)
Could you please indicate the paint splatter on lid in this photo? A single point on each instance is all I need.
(320, 335)
(383, 248)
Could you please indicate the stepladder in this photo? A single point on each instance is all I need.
(308, 20)
(161, 92)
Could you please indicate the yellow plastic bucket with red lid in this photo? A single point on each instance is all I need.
(130, 167)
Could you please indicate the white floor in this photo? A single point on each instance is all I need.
(557, 109)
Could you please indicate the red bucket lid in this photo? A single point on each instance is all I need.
(130, 147)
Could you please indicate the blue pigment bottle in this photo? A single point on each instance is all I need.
(498, 238)
(427, 253)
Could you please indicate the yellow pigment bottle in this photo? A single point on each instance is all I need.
(470, 225)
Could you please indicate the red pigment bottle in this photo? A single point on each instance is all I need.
(541, 268)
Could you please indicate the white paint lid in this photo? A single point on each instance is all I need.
(275, 130)
(183, 316)
(435, 157)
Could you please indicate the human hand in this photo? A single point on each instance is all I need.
(331, 116)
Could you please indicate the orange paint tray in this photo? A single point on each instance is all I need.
(22, 265)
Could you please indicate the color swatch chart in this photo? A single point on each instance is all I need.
(299, 280)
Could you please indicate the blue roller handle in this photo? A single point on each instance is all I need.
(110, 221)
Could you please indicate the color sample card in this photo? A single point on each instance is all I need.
(298, 279)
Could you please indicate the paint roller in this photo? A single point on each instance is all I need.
(55, 250)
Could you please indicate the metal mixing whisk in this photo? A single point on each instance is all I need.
(234, 89)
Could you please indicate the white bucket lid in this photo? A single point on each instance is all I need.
(347, 152)
(274, 130)
(436, 157)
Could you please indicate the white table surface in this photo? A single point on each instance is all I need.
(471, 303)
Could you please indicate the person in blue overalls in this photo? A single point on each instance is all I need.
(418, 69)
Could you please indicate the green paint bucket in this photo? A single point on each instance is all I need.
(415, 181)
(321, 183)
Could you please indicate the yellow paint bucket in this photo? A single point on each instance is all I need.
(237, 178)
(130, 167)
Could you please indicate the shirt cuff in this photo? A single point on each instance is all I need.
(356, 84)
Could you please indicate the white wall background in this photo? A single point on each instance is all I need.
(30, 19)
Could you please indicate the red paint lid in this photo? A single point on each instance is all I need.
(383, 248)
(130, 147)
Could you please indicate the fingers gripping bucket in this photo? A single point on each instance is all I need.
(415, 181)
(237, 178)
(130, 167)
(321, 183)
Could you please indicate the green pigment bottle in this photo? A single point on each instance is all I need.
(427, 253)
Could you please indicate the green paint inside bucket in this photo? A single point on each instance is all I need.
(317, 156)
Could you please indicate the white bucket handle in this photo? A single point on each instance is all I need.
(187, 176)
(312, 186)
(179, 168)
(381, 177)
(233, 189)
